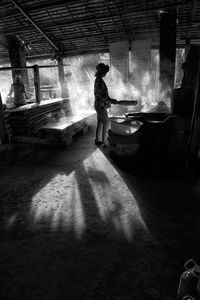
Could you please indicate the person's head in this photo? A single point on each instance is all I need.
(18, 78)
(102, 69)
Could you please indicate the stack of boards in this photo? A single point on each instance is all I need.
(28, 119)
(62, 132)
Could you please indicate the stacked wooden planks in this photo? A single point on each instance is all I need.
(63, 131)
(28, 119)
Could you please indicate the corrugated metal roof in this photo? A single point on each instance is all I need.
(75, 27)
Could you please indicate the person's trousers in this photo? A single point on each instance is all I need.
(102, 125)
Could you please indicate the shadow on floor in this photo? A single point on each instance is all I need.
(61, 238)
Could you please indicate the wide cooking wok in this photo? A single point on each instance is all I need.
(145, 116)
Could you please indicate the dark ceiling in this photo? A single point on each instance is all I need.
(75, 27)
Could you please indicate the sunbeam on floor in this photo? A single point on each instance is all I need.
(93, 195)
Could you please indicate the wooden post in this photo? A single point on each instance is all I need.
(64, 92)
(194, 136)
(37, 83)
(168, 21)
(2, 123)
(17, 57)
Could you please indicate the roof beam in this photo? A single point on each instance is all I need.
(69, 37)
(33, 23)
(71, 53)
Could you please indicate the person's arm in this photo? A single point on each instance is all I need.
(101, 93)
(28, 94)
(23, 88)
(113, 101)
(25, 92)
(109, 99)
(11, 90)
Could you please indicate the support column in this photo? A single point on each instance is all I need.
(64, 91)
(17, 56)
(167, 48)
(2, 123)
(194, 80)
(37, 83)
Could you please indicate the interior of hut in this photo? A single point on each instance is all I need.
(100, 149)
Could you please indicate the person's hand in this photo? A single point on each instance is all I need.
(114, 101)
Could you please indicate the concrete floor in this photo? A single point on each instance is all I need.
(75, 226)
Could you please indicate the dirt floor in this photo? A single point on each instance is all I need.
(75, 226)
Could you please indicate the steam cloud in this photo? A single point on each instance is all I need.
(5, 83)
(80, 76)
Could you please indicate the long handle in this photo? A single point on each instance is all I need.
(127, 102)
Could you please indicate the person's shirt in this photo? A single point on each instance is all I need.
(19, 93)
(102, 99)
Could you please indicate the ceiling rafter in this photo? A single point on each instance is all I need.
(74, 21)
(78, 21)
(128, 13)
(93, 24)
(110, 14)
(94, 20)
(192, 18)
(121, 21)
(83, 38)
(61, 30)
(72, 52)
(147, 14)
(69, 37)
(53, 20)
(34, 24)
(58, 3)
(26, 27)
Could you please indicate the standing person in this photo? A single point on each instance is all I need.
(18, 88)
(102, 102)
